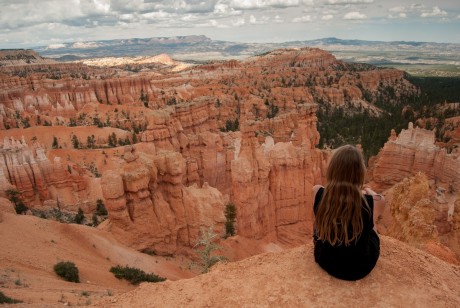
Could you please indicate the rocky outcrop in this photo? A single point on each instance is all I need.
(28, 170)
(272, 182)
(418, 219)
(12, 57)
(149, 207)
(413, 151)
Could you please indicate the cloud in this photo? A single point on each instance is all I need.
(399, 15)
(238, 22)
(254, 21)
(327, 17)
(278, 19)
(354, 16)
(306, 18)
(397, 9)
(225, 10)
(436, 11)
(344, 2)
(260, 4)
(212, 23)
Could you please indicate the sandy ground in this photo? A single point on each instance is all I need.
(404, 277)
(30, 247)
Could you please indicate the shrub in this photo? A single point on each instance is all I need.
(134, 275)
(8, 300)
(79, 217)
(15, 197)
(67, 270)
(100, 208)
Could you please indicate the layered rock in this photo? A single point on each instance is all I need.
(28, 170)
(414, 151)
(272, 182)
(418, 218)
(149, 207)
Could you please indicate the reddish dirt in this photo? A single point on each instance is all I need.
(30, 247)
(404, 277)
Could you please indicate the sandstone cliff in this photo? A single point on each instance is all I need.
(425, 218)
(413, 151)
(29, 170)
(149, 207)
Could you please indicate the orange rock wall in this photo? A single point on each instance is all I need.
(411, 152)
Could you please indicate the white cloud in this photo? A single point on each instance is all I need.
(327, 17)
(212, 23)
(399, 15)
(397, 9)
(157, 15)
(224, 10)
(238, 22)
(306, 18)
(258, 4)
(254, 21)
(278, 19)
(343, 2)
(354, 16)
(436, 11)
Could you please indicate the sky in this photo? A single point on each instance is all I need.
(25, 23)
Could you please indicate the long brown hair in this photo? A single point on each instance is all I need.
(339, 211)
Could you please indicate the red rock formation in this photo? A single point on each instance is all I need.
(149, 207)
(419, 219)
(28, 170)
(411, 152)
(246, 128)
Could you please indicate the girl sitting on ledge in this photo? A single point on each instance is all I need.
(346, 244)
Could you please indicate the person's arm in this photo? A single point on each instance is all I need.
(379, 203)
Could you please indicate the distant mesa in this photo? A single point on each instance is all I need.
(10, 57)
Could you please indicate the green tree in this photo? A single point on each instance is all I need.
(15, 197)
(100, 208)
(207, 246)
(230, 216)
(55, 144)
(113, 140)
(90, 142)
(79, 217)
(144, 98)
(75, 142)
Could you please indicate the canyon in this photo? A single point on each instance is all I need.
(167, 147)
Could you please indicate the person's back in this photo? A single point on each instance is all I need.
(346, 244)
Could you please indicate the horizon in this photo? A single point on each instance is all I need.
(53, 22)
